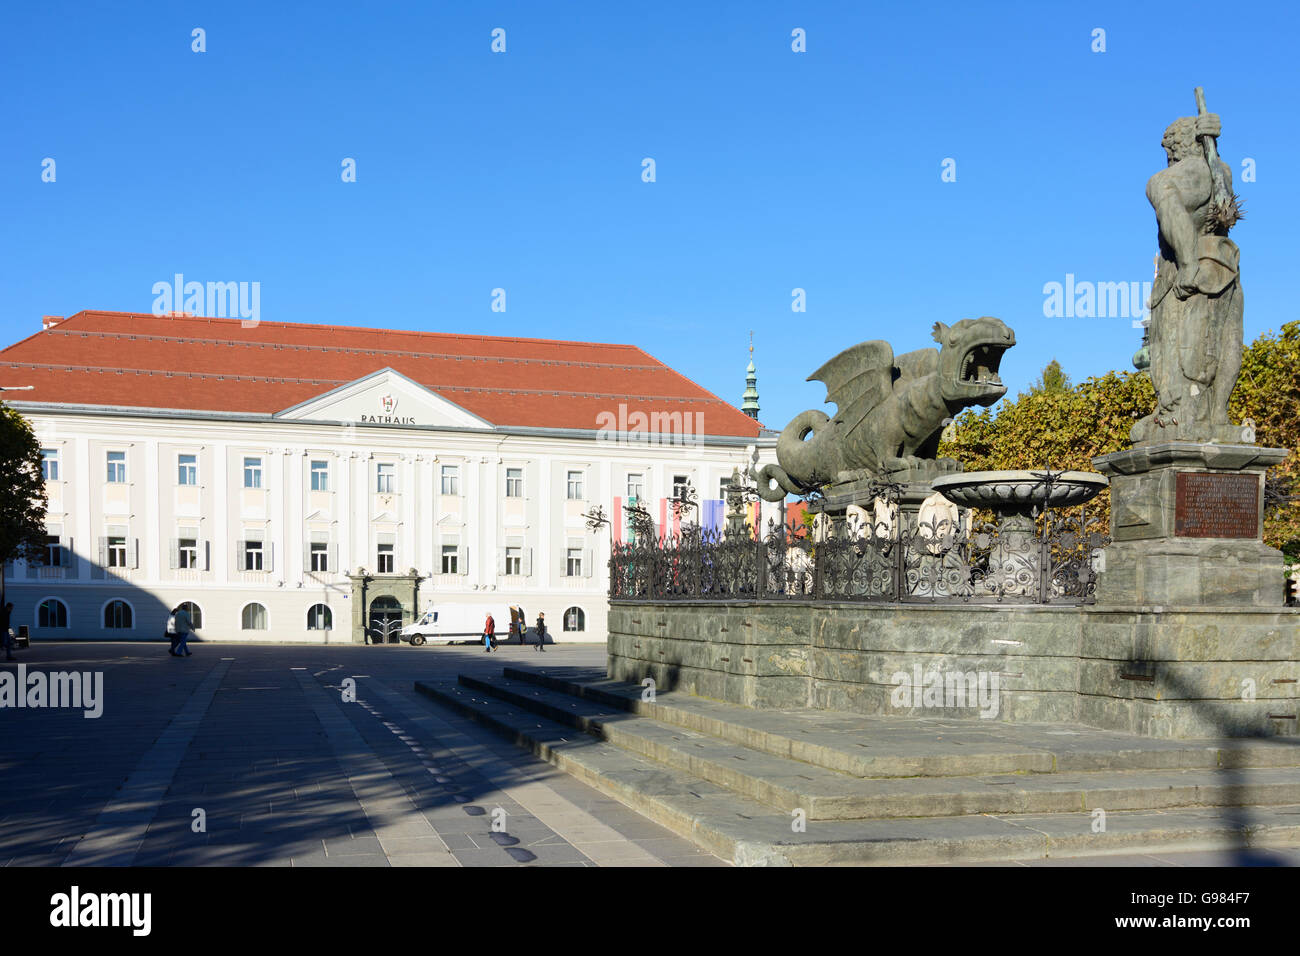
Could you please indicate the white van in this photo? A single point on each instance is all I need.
(447, 623)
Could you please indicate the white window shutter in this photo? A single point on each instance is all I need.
(269, 556)
(174, 558)
(462, 560)
(103, 552)
(207, 555)
(587, 562)
(69, 556)
(333, 557)
(528, 562)
(306, 557)
(135, 552)
(240, 546)
(501, 560)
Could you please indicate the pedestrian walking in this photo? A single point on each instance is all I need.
(170, 631)
(6, 635)
(541, 632)
(523, 626)
(184, 628)
(489, 634)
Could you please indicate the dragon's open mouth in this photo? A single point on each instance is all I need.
(980, 365)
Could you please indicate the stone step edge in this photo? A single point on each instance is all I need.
(731, 843)
(1191, 757)
(844, 806)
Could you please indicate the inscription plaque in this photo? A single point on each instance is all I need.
(1209, 505)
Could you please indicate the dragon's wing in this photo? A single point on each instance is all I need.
(857, 381)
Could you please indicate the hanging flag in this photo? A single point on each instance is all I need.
(663, 516)
(616, 519)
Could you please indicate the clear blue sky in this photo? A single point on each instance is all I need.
(522, 170)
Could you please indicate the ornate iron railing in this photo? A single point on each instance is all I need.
(1049, 560)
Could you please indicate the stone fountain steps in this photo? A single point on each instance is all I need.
(745, 830)
(873, 746)
(824, 794)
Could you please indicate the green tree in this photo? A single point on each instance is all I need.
(1066, 427)
(1268, 393)
(1053, 380)
(22, 492)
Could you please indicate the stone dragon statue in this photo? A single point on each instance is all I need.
(891, 410)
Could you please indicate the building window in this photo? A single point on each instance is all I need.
(187, 469)
(116, 467)
(319, 554)
(50, 464)
(252, 473)
(575, 619)
(450, 480)
(574, 486)
(384, 559)
(320, 476)
(252, 556)
(320, 618)
(117, 615)
(187, 553)
(636, 487)
(194, 611)
(52, 613)
(385, 475)
(723, 487)
(514, 482)
(573, 562)
(253, 618)
(514, 560)
(116, 552)
(680, 484)
(450, 559)
(52, 557)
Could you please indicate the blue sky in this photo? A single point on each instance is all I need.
(775, 170)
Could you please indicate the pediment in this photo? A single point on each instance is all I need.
(385, 398)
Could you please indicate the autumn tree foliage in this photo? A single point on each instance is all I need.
(1066, 426)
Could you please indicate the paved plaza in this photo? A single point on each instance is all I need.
(257, 744)
(258, 741)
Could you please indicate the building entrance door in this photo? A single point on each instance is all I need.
(385, 620)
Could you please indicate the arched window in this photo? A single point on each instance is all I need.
(194, 611)
(52, 613)
(575, 619)
(319, 617)
(117, 615)
(253, 618)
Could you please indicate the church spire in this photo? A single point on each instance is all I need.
(750, 404)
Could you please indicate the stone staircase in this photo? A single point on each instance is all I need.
(813, 787)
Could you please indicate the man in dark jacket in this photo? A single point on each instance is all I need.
(541, 632)
(6, 614)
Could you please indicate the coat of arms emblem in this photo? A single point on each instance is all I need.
(388, 403)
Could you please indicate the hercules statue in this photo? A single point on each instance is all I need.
(1196, 305)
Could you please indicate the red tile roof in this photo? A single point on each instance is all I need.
(202, 364)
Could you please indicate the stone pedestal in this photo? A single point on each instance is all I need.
(1186, 524)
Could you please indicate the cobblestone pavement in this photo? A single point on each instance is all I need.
(249, 755)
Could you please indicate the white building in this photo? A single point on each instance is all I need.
(307, 483)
